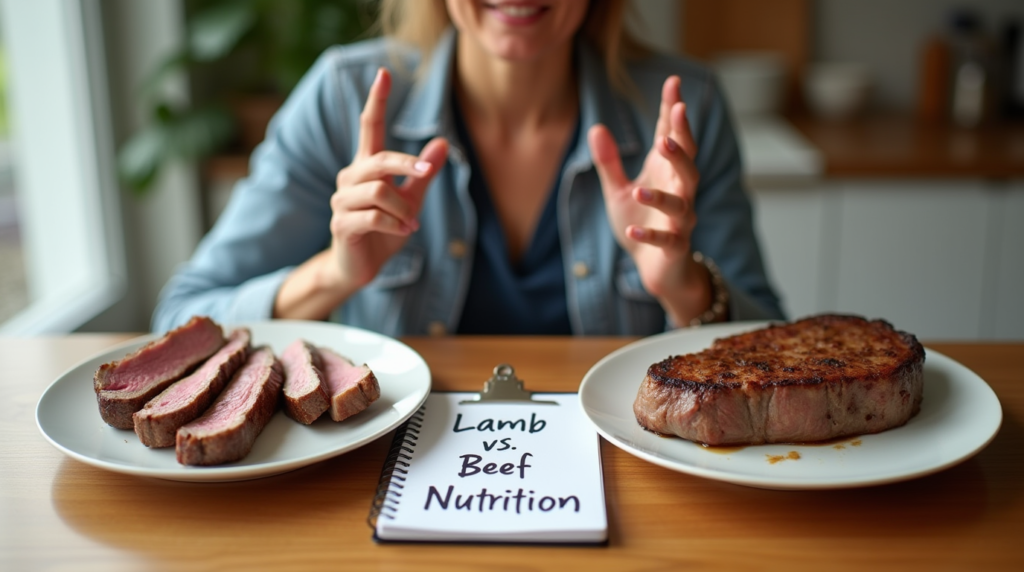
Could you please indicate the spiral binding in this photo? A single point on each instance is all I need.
(396, 466)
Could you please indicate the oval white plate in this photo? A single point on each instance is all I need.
(959, 416)
(68, 416)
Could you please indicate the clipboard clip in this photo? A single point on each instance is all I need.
(505, 387)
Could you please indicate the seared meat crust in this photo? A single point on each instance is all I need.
(816, 379)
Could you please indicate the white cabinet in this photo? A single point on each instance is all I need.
(914, 253)
(1006, 263)
(792, 225)
(941, 259)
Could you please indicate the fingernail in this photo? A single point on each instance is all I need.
(413, 224)
(421, 166)
(672, 146)
(636, 232)
(645, 194)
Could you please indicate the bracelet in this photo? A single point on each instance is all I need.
(719, 293)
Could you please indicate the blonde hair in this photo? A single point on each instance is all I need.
(422, 22)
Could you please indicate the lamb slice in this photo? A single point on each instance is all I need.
(123, 387)
(305, 392)
(228, 429)
(158, 421)
(352, 387)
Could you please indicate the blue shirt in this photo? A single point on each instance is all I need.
(279, 216)
(507, 298)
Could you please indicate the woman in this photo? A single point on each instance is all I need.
(496, 182)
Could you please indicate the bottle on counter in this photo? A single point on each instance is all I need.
(971, 52)
(1013, 71)
(933, 83)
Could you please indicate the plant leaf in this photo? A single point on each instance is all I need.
(199, 133)
(214, 32)
(139, 159)
(178, 61)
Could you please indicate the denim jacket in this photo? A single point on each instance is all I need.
(279, 216)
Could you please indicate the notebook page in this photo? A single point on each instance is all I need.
(501, 473)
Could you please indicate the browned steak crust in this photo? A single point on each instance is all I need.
(816, 379)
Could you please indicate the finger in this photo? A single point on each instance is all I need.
(353, 224)
(681, 131)
(375, 195)
(669, 97)
(382, 165)
(660, 238)
(371, 120)
(682, 164)
(672, 205)
(434, 153)
(606, 158)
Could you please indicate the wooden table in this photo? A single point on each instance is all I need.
(58, 513)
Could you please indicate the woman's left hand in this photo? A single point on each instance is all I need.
(652, 216)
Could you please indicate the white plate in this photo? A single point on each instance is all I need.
(69, 417)
(959, 416)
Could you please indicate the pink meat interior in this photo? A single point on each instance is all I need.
(182, 392)
(300, 378)
(168, 357)
(238, 397)
(341, 374)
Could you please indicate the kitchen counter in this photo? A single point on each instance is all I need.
(774, 152)
(887, 146)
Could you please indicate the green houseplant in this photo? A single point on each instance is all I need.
(237, 52)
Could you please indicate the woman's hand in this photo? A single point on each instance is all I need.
(371, 219)
(652, 216)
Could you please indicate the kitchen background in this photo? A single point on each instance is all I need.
(872, 194)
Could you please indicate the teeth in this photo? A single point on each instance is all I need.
(518, 11)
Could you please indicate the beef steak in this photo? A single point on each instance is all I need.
(816, 379)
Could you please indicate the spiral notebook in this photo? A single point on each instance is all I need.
(526, 472)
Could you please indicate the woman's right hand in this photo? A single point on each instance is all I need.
(371, 218)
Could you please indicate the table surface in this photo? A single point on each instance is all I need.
(57, 513)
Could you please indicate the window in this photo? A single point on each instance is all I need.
(13, 290)
(64, 178)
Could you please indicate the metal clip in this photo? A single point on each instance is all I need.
(505, 387)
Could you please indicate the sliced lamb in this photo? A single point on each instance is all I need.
(305, 393)
(186, 399)
(123, 387)
(228, 429)
(353, 388)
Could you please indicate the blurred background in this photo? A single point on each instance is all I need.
(883, 145)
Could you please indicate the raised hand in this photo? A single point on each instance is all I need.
(372, 217)
(652, 215)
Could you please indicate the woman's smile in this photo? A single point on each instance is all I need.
(516, 13)
(518, 30)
